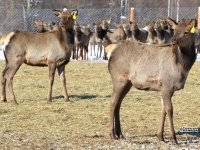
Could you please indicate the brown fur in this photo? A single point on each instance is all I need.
(163, 36)
(138, 34)
(52, 49)
(44, 27)
(149, 67)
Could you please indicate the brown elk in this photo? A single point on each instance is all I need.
(92, 43)
(108, 36)
(138, 34)
(44, 27)
(82, 37)
(127, 31)
(150, 67)
(86, 33)
(52, 49)
(77, 41)
(162, 35)
(163, 32)
(152, 35)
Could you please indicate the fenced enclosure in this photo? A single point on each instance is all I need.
(24, 18)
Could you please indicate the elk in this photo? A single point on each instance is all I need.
(107, 36)
(127, 31)
(77, 41)
(86, 33)
(52, 49)
(197, 40)
(43, 27)
(152, 35)
(163, 36)
(82, 37)
(150, 67)
(138, 34)
(99, 34)
(92, 43)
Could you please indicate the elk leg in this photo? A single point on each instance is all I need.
(12, 69)
(161, 129)
(120, 89)
(168, 107)
(100, 51)
(86, 52)
(94, 50)
(52, 69)
(117, 111)
(77, 52)
(3, 85)
(74, 52)
(91, 49)
(61, 73)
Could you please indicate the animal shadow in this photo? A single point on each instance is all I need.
(83, 97)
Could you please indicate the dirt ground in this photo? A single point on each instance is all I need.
(83, 123)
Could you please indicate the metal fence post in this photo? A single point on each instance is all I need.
(132, 14)
(198, 26)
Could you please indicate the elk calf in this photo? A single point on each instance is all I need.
(149, 67)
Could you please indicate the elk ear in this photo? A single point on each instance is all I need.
(171, 22)
(191, 26)
(88, 25)
(74, 14)
(36, 22)
(160, 19)
(53, 23)
(56, 12)
(109, 21)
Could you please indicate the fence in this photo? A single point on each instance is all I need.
(23, 19)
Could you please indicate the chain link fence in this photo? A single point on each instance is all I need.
(23, 19)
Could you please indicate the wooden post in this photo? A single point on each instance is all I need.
(198, 23)
(132, 14)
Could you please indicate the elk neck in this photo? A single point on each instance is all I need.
(187, 53)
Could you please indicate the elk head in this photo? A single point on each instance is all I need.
(67, 18)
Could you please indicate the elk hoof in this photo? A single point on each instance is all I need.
(160, 137)
(66, 99)
(122, 136)
(113, 137)
(49, 101)
(174, 141)
(4, 100)
(15, 103)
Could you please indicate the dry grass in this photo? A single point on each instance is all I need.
(83, 122)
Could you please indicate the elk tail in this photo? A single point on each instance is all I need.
(110, 48)
(4, 41)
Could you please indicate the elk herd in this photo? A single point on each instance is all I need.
(85, 40)
(157, 57)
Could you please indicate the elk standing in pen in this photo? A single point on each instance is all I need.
(149, 67)
(52, 49)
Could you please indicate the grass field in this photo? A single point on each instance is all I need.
(83, 122)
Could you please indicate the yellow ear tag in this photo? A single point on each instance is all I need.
(192, 30)
(74, 16)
